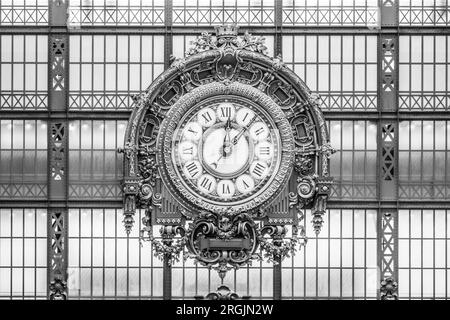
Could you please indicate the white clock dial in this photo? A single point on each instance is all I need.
(244, 116)
(192, 169)
(259, 169)
(225, 189)
(226, 150)
(206, 117)
(220, 155)
(193, 131)
(245, 183)
(226, 111)
(187, 150)
(206, 183)
(264, 150)
(259, 131)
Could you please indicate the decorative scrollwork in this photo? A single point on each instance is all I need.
(275, 248)
(303, 131)
(223, 237)
(217, 240)
(388, 289)
(58, 289)
(168, 248)
(304, 165)
(249, 74)
(222, 293)
(169, 94)
(282, 93)
(227, 37)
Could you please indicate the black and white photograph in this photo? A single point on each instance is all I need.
(247, 150)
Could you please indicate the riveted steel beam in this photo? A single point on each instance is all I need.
(387, 155)
(57, 160)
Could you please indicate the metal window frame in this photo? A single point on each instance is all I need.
(58, 112)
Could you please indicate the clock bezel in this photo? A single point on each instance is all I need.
(195, 201)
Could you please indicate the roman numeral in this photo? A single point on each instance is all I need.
(207, 116)
(192, 169)
(259, 169)
(259, 131)
(226, 189)
(264, 150)
(226, 112)
(246, 115)
(206, 183)
(188, 150)
(193, 131)
(245, 184)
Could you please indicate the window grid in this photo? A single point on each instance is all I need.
(23, 159)
(84, 13)
(23, 258)
(106, 71)
(23, 70)
(330, 13)
(339, 263)
(424, 155)
(95, 165)
(105, 263)
(353, 166)
(414, 184)
(23, 12)
(424, 73)
(424, 13)
(339, 68)
(214, 12)
(190, 279)
(423, 254)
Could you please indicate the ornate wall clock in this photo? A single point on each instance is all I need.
(224, 149)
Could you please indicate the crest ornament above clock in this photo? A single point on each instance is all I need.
(224, 150)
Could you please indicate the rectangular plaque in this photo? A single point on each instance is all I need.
(218, 244)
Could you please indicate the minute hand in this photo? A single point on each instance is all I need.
(241, 132)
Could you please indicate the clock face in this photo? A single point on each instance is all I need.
(223, 151)
(226, 149)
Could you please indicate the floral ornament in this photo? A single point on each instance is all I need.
(388, 289)
(203, 43)
(226, 37)
(58, 289)
(171, 251)
(278, 248)
(167, 248)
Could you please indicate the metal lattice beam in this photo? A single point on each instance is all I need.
(388, 126)
(58, 54)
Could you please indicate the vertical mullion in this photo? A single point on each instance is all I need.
(12, 216)
(92, 255)
(35, 253)
(79, 252)
(328, 253)
(23, 73)
(128, 88)
(115, 253)
(434, 254)
(23, 246)
(421, 254)
(365, 253)
(340, 240)
(409, 248)
(445, 212)
(103, 255)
